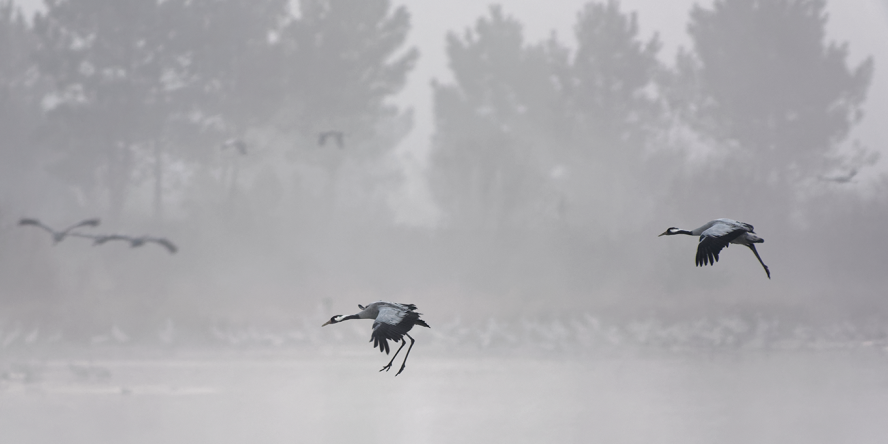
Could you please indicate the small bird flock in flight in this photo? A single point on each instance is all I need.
(98, 239)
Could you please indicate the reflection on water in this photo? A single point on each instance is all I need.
(292, 396)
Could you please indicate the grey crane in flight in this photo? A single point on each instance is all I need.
(391, 321)
(718, 234)
(135, 241)
(237, 144)
(841, 179)
(58, 236)
(338, 136)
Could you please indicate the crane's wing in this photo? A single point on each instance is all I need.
(84, 223)
(164, 243)
(714, 239)
(388, 326)
(35, 223)
(735, 224)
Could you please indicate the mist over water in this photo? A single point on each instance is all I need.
(312, 395)
(524, 227)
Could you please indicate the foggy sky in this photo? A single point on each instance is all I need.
(863, 24)
(529, 244)
(611, 259)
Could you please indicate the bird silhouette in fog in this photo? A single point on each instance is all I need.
(338, 136)
(718, 234)
(391, 321)
(844, 178)
(135, 241)
(58, 236)
(237, 144)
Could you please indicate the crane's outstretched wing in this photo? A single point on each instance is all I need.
(338, 136)
(35, 223)
(84, 223)
(714, 239)
(389, 325)
(164, 243)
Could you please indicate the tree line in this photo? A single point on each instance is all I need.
(544, 155)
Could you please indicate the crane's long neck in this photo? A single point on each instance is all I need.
(673, 231)
(339, 318)
(354, 316)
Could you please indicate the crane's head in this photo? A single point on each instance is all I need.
(333, 320)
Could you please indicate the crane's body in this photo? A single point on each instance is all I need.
(719, 233)
(391, 321)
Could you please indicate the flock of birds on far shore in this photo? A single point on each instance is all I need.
(241, 146)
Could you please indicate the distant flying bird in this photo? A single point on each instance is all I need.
(717, 234)
(236, 143)
(58, 236)
(135, 241)
(337, 135)
(845, 178)
(391, 322)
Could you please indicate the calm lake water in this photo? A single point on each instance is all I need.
(337, 396)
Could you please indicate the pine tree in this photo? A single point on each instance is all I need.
(768, 82)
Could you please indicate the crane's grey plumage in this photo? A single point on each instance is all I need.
(58, 236)
(391, 321)
(718, 234)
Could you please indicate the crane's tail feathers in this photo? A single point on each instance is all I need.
(423, 323)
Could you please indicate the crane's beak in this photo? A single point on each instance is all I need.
(327, 323)
(668, 231)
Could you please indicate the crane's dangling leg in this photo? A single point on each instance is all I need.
(389, 365)
(404, 364)
(752, 247)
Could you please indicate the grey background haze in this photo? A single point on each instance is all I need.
(505, 168)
